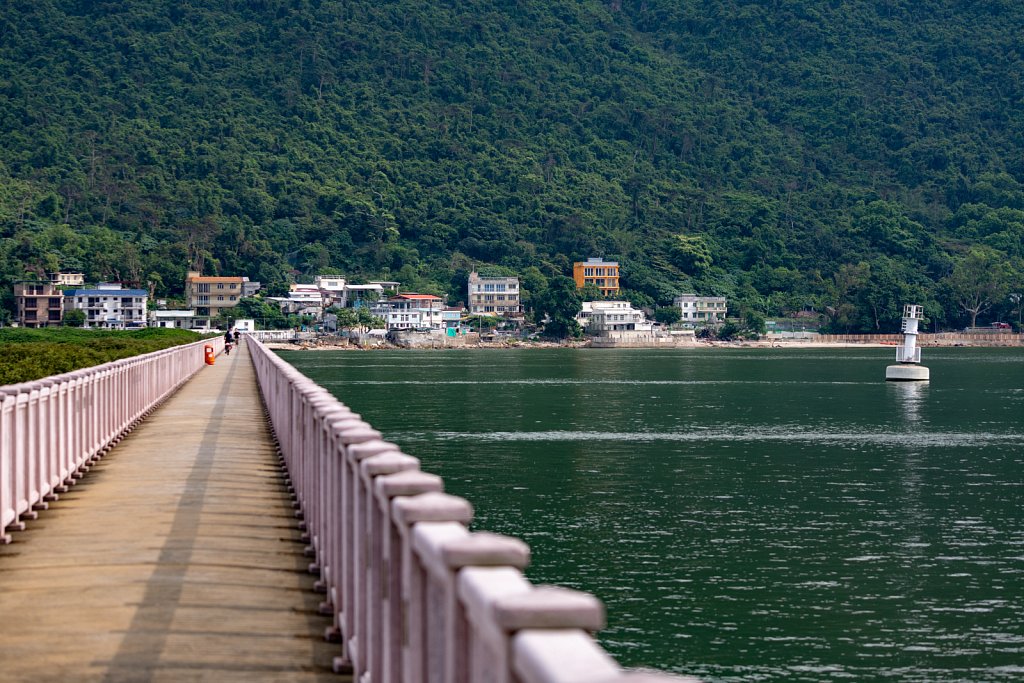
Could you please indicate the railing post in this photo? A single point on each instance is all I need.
(368, 613)
(389, 634)
(418, 663)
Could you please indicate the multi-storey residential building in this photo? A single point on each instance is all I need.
(598, 317)
(413, 311)
(209, 296)
(68, 279)
(701, 309)
(109, 306)
(596, 271)
(39, 304)
(302, 299)
(494, 296)
(332, 289)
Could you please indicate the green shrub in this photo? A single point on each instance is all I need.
(27, 354)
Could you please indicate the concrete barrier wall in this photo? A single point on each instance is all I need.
(415, 596)
(52, 429)
(943, 338)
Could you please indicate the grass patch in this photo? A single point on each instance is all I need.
(30, 354)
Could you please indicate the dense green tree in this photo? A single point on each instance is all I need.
(558, 307)
(74, 318)
(668, 315)
(979, 280)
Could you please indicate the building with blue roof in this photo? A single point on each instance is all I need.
(109, 306)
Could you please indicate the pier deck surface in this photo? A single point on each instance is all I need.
(177, 558)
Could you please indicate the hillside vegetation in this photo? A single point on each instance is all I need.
(844, 157)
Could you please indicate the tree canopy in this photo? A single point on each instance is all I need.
(790, 155)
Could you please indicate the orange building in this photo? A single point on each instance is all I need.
(598, 272)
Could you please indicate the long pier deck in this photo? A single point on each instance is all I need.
(177, 557)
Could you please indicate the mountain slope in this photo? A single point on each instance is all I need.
(751, 150)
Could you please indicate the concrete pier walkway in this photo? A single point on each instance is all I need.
(177, 558)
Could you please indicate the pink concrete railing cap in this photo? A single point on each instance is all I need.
(432, 507)
(483, 548)
(564, 656)
(480, 587)
(360, 434)
(650, 677)
(550, 607)
(388, 463)
(408, 483)
(368, 449)
(347, 423)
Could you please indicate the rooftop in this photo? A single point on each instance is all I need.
(105, 292)
(213, 279)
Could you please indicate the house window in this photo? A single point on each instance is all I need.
(220, 285)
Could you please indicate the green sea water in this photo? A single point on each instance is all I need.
(745, 515)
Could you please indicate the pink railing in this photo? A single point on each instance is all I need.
(415, 596)
(52, 429)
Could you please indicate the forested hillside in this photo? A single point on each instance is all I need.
(845, 157)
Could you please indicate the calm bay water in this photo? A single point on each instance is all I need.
(746, 515)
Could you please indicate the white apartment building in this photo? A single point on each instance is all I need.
(413, 312)
(598, 317)
(494, 296)
(701, 309)
(332, 289)
(109, 306)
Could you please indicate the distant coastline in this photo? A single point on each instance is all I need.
(942, 340)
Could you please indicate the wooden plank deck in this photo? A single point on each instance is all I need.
(177, 558)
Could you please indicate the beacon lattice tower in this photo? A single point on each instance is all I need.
(908, 354)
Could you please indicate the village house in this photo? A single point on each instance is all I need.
(599, 317)
(596, 271)
(38, 304)
(210, 296)
(109, 306)
(701, 309)
(410, 311)
(494, 296)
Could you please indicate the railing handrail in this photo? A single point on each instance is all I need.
(415, 596)
(52, 429)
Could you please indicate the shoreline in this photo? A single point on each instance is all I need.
(318, 345)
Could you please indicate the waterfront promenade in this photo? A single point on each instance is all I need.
(176, 558)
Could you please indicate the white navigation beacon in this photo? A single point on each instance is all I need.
(908, 355)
